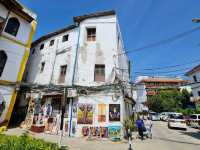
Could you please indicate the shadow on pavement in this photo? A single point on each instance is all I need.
(176, 141)
(195, 135)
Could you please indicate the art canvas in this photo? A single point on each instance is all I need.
(114, 131)
(85, 114)
(101, 112)
(114, 112)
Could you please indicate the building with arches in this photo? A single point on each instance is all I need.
(17, 26)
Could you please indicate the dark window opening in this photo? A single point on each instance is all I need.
(198, 93)
(63, 71)
(195, 78)
(3, 59)
(12, 26)
(65, 38)
(99, 73)
(42, 67)
(51, 43)
(41, 46)
(91, 34)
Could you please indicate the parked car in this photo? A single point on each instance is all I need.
(154, 116)
(194, 120)
(176, 120)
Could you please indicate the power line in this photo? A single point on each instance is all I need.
(172, 66)
(171, 71)
(165, 41)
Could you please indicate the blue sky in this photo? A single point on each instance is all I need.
(142, 22)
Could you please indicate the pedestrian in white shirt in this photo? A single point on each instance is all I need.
(148, 124)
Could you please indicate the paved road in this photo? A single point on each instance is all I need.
(163, 139)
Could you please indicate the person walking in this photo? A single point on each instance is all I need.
(148, 124)
(140, 126)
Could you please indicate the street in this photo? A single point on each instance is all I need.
(163, 139)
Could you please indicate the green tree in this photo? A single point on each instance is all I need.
(168, 100)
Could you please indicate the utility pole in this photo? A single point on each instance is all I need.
(63, 104)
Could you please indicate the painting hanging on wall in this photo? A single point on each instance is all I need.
(114, 112)
(85, 114)
(101, 112)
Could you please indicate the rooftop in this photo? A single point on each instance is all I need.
(93, 15)
(193, 70)
(77, 19)
(19, 9)
(162, 79)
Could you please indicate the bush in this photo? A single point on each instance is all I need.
(25, 142)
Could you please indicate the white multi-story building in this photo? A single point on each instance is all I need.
(194, 75)
(88, 54)
(17, 26)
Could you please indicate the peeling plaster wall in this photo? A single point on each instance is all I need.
(101, 51)
(61, 53)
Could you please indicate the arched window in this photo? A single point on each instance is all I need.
(3, 59)
(12, 26)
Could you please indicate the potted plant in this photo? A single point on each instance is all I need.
(129, 125)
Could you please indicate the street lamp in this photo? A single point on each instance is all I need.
(196, 20)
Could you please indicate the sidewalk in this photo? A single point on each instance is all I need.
(75, 143)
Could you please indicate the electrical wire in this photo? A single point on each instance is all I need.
(172, 66)
(161, 42)
(170, 71)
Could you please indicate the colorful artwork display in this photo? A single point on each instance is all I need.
(101, 112)
(114, 112)
(95, 131)
(114, 131)
(85, 114)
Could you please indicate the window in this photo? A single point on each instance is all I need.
(3, 59)
(12, 26)
(193, 117)
(41, 46)
(51, 43)
(198, 93)
(91, 34)
(33, 51)
(63, 70)
(65, 38)
(42, 67)
(195, 78)
(99, 74)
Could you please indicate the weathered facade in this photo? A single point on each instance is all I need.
(88, 54)
(194, 75)
(17, 26)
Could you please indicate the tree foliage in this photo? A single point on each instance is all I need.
(170, 100)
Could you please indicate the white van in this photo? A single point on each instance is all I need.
(194, 120)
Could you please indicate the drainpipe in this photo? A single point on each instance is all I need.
(73, 77)
(75, 61)
(54, 61)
